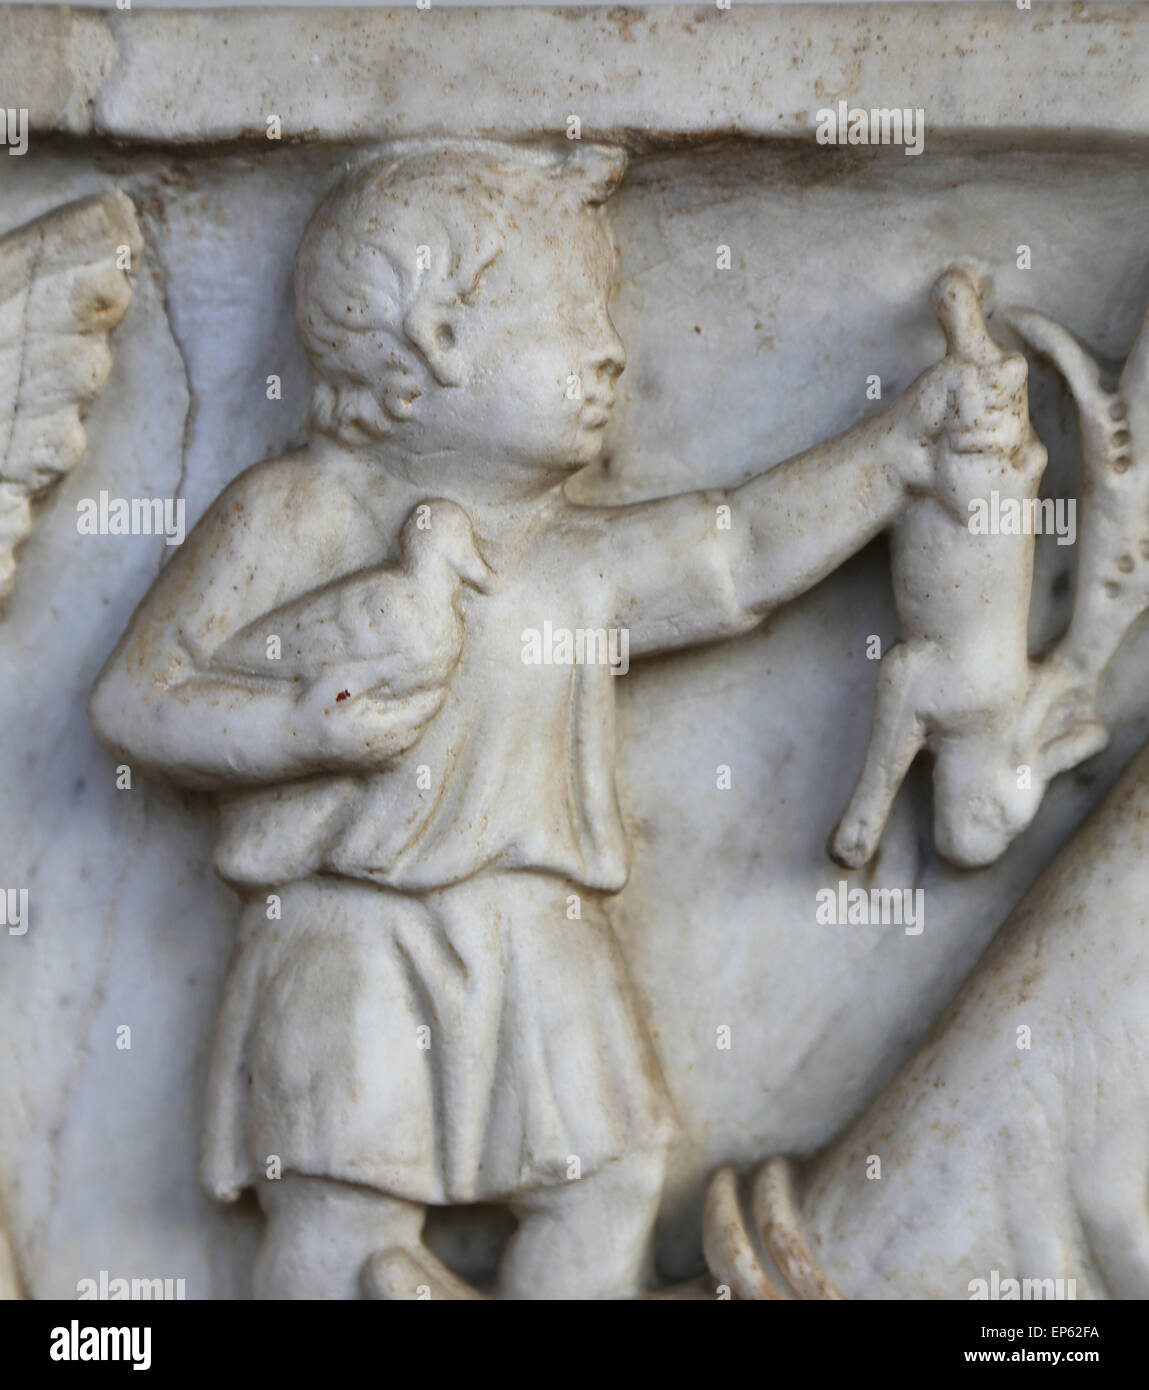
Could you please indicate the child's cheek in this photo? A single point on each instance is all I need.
(560, 383)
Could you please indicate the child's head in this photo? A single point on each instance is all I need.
(458, 295)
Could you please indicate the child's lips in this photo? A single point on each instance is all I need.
(596, 412)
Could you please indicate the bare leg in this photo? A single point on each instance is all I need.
(320, 1233)
(895, 739)
(589, 1238)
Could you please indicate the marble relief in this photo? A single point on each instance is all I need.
(576, 687)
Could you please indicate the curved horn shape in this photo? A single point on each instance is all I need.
(1048, 338)
(1134, 384)
(1081, 373)
(776, 1215)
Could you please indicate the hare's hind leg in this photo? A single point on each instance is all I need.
(896, 737)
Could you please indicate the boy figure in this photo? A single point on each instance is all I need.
(427, 1003)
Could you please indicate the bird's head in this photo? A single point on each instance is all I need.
(438, 536)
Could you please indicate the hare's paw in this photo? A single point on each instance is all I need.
(854, 842)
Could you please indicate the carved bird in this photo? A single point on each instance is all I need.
(396, 627)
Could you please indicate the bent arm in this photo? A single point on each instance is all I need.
(172, 702)
(367, 625)
(191, 730)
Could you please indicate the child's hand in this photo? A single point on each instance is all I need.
(352, 728)
(974, 399)
(988, 407)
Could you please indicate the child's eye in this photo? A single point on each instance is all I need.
(580, 319)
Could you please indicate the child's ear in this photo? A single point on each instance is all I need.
(432, 329)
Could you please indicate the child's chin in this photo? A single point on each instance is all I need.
(588, 444)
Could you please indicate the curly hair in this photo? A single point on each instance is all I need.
(422, 224)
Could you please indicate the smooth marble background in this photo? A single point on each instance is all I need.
(833, 255)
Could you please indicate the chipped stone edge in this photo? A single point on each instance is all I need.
(1062, 74)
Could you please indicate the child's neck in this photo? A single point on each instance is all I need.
(479, 486)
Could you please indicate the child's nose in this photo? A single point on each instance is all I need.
(611, 356)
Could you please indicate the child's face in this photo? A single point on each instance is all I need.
(541, 353)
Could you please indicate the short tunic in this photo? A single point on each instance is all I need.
(452, 1049)
(441, 902)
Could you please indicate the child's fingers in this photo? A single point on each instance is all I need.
(1002, 439)
(988, 430)
(986, 396)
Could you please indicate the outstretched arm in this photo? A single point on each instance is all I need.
(705, 565)
(798, 522)
(711, 564)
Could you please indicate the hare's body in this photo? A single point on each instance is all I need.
(957, 681)
(967, 591)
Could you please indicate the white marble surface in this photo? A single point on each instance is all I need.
(728, 372)
(980, 71)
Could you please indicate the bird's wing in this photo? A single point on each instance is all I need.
(63, 287)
